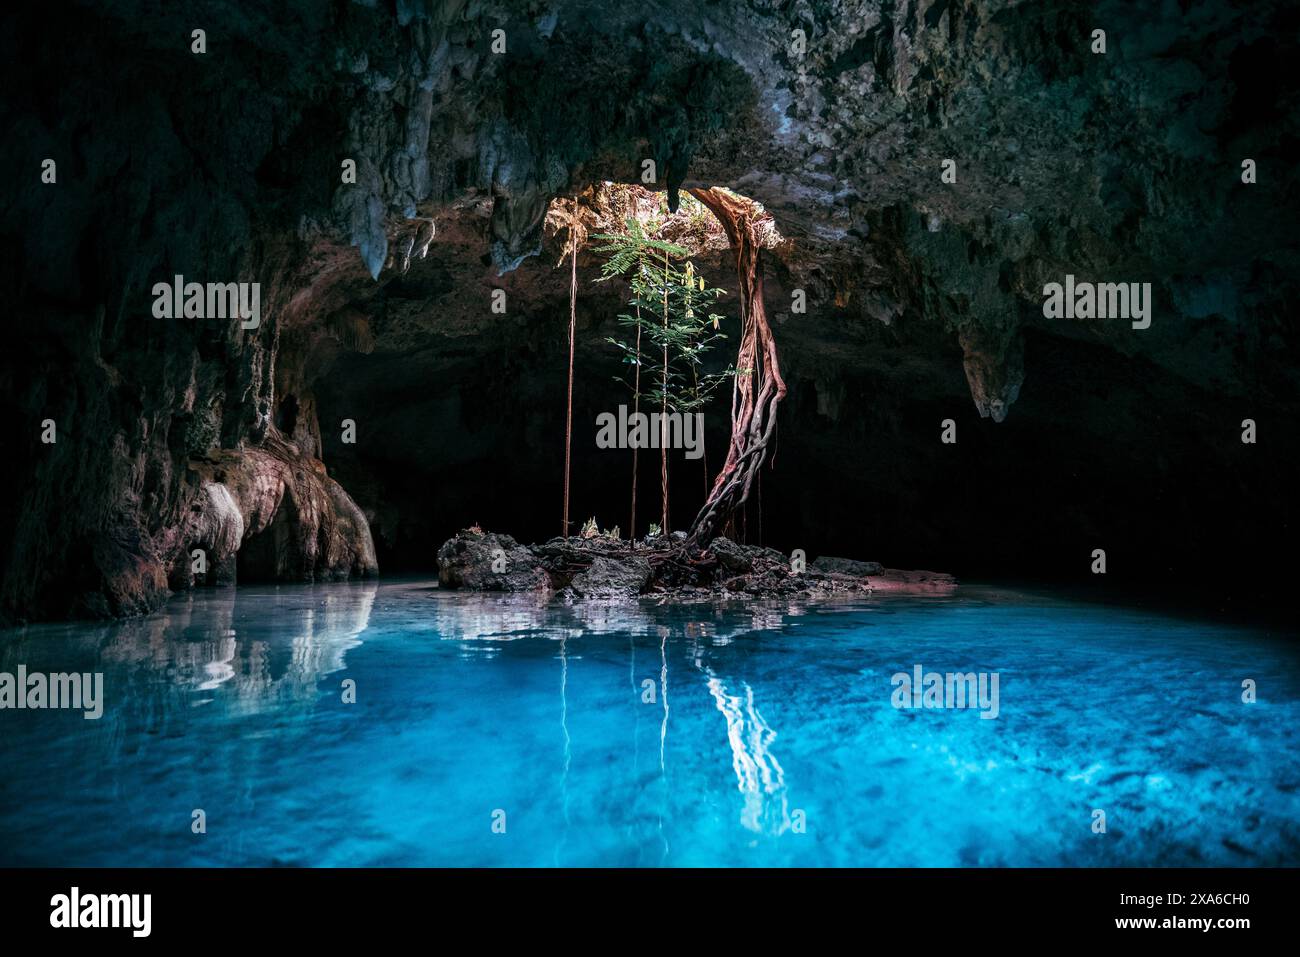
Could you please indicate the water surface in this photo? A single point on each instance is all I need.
(645, 735)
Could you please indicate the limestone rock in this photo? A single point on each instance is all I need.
(1114, 167)
(216, 526)
(298, 523)
(846, 566)
(607, 577)
(896, 581)
(731, 556)
(486, 561)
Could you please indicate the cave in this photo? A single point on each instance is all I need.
(378, 260)
(420, 195)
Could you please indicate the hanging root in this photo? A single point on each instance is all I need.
(758, 387)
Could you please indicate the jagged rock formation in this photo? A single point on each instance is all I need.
(924, 295)
(215, 525)
(602, 569)
(608, 577)
(489, 562)
(297, 523)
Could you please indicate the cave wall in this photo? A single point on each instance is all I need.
(925, 295)
(167, 163)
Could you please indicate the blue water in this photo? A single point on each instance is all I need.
(644, 735)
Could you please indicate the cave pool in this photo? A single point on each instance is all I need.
(491, 730)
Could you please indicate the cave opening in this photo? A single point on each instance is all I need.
(497, 460)
(263, 556)
(287, 415)
(473, 407)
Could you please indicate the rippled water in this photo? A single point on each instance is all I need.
(743, 734)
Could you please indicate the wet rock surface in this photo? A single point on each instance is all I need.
(267, 513)
(899, 582)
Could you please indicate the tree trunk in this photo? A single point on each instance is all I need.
(758, 387)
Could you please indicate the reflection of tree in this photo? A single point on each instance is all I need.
(471, 617)
(663, 732)
(759, 776)
(568, 743)
(491, 618)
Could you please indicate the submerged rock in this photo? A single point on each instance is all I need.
(898, 581)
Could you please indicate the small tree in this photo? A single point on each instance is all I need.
(682, 331)
(634, 255)
(698, 331)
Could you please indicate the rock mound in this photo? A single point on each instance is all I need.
(485, 561)
(602, 568)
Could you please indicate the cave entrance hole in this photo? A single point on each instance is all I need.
(605, 207)
(706, 220)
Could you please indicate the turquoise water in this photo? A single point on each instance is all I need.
(644, 735)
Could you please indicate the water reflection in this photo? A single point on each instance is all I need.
(472, 617)
(259, 650)
(759, 776)
(262, 647)
(568, 742)
(744, 717)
